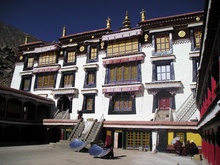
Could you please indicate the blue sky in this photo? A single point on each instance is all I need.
(45, 19)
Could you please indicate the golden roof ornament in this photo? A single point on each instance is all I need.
(143, 17)
(126, 21)
(64, 31)
(26, 39)
(108, 24)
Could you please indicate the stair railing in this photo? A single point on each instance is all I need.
(65, 114)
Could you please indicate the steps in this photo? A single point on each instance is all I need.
(188, 108)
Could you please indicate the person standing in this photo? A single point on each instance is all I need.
(108, 145)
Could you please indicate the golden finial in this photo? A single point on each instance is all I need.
(108, 24)
(143, 17)
(126, 22)
(26, 39)
(64, 31)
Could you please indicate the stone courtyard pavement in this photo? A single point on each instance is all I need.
(54, 154)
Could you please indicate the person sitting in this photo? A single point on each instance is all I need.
(178, 147)
(193, 149)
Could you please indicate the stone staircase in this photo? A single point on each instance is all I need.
(62, 115)
(188, 108)
(162, 115)
(77, 131)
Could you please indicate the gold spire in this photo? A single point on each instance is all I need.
(143, 17)
(64, 31)
(108, 24)
(26, 39)
(126, 21)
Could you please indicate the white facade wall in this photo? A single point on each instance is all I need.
(144, 100)
(16, 79)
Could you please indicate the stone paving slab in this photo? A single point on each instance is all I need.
(53, 154)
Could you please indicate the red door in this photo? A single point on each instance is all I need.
(164, 103)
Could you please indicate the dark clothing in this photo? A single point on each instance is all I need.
(178, 147)
(108, 145)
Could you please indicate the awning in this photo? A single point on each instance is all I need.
(124, 88)
(122, 59)
(46, 69)
(120, 35)
(45, 49)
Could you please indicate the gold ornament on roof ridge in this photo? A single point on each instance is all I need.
(108, 22)
(143, 17)
(126, 21)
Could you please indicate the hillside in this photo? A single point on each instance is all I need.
(10, 39)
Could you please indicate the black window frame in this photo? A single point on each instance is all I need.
(26, 62)
(47, 87)
(154, 37)
(111, 110)
(162, 63)
(192, 37)
(195, 63)
(88, 71)
(65, 62)
(86, 97)
(23, 78)
(65, 73)
(89, 47)
(139, 78)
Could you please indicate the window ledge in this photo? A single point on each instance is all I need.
(68, 68)
(194, 54)
(163, 57)
(28, 72)
(89, 91)
(90, 66)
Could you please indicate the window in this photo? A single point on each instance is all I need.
(29, 63)
(90, 78)
(46, 80)
(25, 83)
(123, 103)
(162, 43)
(47, 58)
(70, 57)
(137, 139)
(68, 79)
(195, 69)
(196, 36)
(122, 47)
(89, 103)
(124, 72)
(163, 71)
(92, 53)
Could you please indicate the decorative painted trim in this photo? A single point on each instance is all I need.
(164, 84)
(69, 45)
(122, 88)
(64, 91)
(46, 69)
(195, 24)
(161, 30)
(181, 41)
(122, 59)
(121, 35)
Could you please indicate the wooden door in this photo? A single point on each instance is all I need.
(164, 103)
